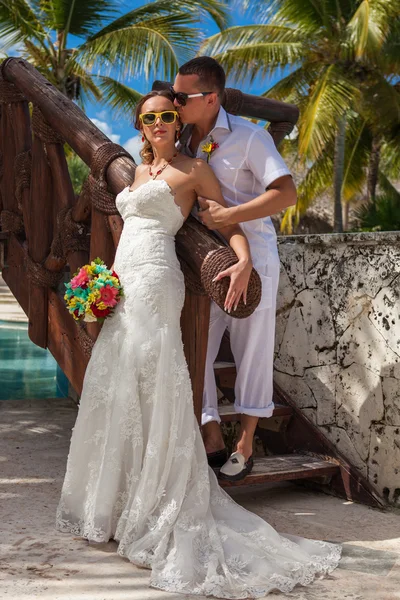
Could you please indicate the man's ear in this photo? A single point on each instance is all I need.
(212, 99)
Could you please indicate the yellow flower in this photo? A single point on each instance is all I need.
(207, 148)
(93, 296)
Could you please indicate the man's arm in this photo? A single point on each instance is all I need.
(267, 166)
(280, 194)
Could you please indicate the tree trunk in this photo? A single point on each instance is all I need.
(373, 169)
(338, 175)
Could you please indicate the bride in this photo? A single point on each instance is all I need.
(137, 469)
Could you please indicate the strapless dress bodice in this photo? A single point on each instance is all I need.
(150, 206)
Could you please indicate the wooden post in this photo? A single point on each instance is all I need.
(23, 143)
(195, 320)
(102, 246)
(8, 152)
(41, 235)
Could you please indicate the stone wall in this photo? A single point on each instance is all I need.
(338, 344)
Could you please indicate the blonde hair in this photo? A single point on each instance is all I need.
(146, 152)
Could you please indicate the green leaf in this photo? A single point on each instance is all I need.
(332, 95)
(78, 17)
(121, 98)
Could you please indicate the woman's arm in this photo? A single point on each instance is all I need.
(206, 184)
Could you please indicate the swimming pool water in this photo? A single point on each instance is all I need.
(27, 371)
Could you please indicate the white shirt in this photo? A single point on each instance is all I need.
(245, 163)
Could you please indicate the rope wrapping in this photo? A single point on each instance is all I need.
(69, 237)
(85, 341)
(218, 261)
(9, 94)
(192, 282)
(43, 130)
(102, 199)
(22, 174)
(39, 275)
(233, 101)
(11, 222)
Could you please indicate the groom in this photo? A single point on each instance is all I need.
(255, 183)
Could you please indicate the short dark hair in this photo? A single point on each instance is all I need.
(208, 70)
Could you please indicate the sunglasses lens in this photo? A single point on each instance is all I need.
(181, 98)
(148, 118)
(168, 116)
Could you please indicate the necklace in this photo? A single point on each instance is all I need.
(154, 175)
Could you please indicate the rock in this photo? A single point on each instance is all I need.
(309, 338)
(384, 461)
(391, 400)
(296, 388)
(360, 403)
(340, 438)
(322, 382)
(362, 343)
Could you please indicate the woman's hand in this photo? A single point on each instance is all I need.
(240, 275)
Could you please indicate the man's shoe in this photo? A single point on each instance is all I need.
(218, 458)
(236, 467)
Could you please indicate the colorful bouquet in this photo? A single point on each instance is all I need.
(93, 292)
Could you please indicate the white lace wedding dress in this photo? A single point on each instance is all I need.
(137, 469)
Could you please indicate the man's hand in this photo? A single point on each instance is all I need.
(212, 214)
(239, 274)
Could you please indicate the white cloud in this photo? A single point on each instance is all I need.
(102, 115)
(105, 128)
(133, 145)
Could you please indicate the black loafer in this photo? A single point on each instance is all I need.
(236, 467)
(218, 458)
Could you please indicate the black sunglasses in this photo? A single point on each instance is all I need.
(182, 98)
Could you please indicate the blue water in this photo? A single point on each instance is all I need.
(27, 371)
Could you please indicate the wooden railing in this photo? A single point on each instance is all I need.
(50, 232)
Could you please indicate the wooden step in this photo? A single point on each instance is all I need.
(285, 468)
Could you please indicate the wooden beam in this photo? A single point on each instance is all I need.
(14, 271)
(194, 324)
(41, 236)
(23, 143)
(63, 342)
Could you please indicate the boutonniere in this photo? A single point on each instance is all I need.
(209, 148)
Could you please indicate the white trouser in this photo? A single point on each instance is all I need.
(252, 344)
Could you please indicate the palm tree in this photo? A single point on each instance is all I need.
(343, 57)
(106, 46)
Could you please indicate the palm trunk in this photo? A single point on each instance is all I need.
(373, 169)
(346, 210)
(338, 175)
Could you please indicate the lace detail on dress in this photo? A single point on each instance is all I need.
(137, 468)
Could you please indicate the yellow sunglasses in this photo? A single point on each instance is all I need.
(166, 116)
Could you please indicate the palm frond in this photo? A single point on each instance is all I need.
(357, 152)
(253, 51)
(332, 95)
(121, 98)
(39, 56)
(309, 15)
(19, 22)
(78, 17)
(295, 86)
(155, 45)
(369, 26)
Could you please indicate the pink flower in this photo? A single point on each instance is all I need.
(108, 295)
(80, 279)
